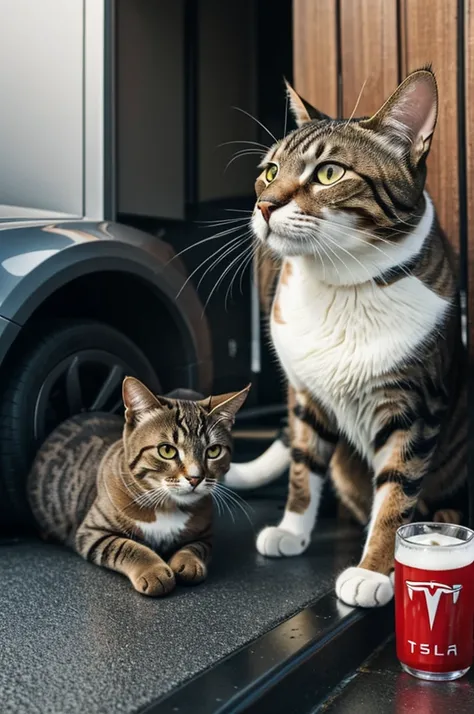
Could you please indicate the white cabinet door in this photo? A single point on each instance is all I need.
(41, 116)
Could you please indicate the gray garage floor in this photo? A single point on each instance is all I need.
(75, 638)
(380, 687)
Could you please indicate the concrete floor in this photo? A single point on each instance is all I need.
(380, 687)
(76, 638)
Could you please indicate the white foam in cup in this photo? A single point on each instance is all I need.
(434, 551)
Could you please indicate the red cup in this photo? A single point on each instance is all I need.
(434, 600)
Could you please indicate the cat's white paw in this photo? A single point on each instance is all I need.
(275, 542)
(359, 587)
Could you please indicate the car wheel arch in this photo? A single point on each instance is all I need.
(161, 282)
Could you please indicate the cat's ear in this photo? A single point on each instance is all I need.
(410, 113)
(225, 405)
(302, 110)
(137, 399)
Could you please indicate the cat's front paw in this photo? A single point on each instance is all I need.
(188, 568)
(359, 587)
(154, 581)
(275, 542)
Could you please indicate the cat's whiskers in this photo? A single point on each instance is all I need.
(220, 234)
(239, 210)
(134, 496)
(246, 263)
(244, 152)
(127, 485)
(236, 262)
(336, 255)
(243, 239)
(356, 104)
(224, 487)
(221, 221)
(219, 499)
(323, 236)
(367, 243)
(229, 497)
(160, 498)
(258, 122)
(370, 277)
(408, 273)
(217, 502)
(242, 141)
(258, 257)
(315, 248)
(244, 258)
(229, 505)
(152, 498)
(405, 223)
(247, 255)
(114, 505)
(328, 255)
(242, 269)
(285, 125)
(145, 496)
(142, 501)
(221, 278)
(392, 231)
(222, 251)
(353, 229)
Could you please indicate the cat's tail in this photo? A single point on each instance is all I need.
(265, 468)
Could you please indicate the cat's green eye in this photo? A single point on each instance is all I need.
(328, 174)
(166, 451)
(271, 173)
(214, 452)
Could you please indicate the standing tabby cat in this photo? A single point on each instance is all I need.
(365, 321)
(138, 502)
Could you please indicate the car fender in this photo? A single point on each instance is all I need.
(36, 260)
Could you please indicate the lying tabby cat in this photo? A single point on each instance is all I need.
(365, 321)
(138, 502)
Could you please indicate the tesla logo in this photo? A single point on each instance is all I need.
(433, 592)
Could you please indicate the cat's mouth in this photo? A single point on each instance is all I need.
(279, 237)
(285, 245)
(186, 493)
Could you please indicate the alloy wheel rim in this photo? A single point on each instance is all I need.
(86, 381)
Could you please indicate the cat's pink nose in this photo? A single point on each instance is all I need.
(267, 207)
(195, 480)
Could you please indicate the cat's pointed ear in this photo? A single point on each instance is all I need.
(410, 113)
(226, 405)
(137, 399)
(302, 110)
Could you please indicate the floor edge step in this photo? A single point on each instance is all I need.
(292, 668)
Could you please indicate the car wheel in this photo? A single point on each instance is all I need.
(61, 368)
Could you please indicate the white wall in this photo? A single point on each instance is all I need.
(41, 114)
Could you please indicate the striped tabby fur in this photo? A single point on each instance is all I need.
(365, 321)
(136, 498)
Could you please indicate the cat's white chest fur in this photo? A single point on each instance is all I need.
(165, 529)
(337, 342)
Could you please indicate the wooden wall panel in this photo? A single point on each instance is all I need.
(369, 54)
(315, 53)
(469, 104)
(469, 68)
(366, 43)
(429, 34)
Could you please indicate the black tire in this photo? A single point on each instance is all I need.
(59, 368)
